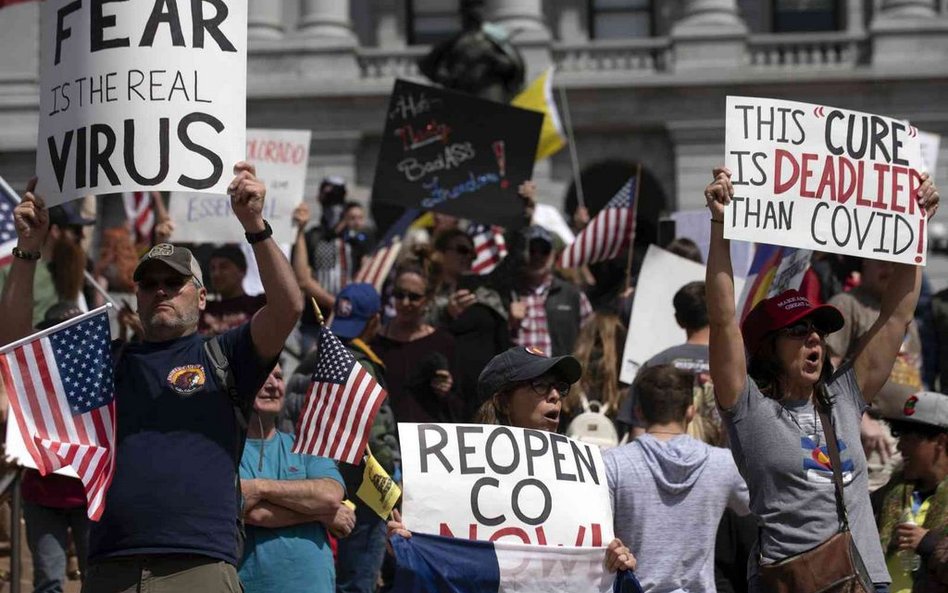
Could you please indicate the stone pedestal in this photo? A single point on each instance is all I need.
(327, 20)
(710, 35)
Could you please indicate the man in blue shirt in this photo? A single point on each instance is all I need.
(289, 502)
(171, 516)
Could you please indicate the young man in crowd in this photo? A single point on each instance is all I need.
(233, 306)
(546, 312)
(171, 511)
(289, 501)
(669, 490)
(918, 492)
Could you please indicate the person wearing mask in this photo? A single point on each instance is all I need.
(668, 489)
(913, 505)
(771, 400)
(290, 500)
(233, 306)
(546, 312)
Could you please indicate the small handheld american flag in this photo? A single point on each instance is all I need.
(8, 201)
(607, 234)
(490, 248)
(61, 393)
(340, 407)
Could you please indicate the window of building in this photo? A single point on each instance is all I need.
(806, 15)
(620, 19)
(431, 21)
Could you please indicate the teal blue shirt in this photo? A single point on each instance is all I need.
(295, 558)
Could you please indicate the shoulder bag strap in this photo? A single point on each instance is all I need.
(832, 447)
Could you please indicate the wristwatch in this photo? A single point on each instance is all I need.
(263, 235)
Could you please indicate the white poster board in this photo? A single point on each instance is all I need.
(652, 325)
(140, 96)
(281, 158)
(825, 179)
(930, 144)
(499, 483)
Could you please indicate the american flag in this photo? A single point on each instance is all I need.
(489, 247)
(61, 394)
(8, 201)
(607, 234)
(340, 407)
(141, 213)
(376, 267)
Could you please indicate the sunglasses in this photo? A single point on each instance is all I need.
(169, 284)
(462, 250)
(543, 387)
(413, 297)
(802, 330)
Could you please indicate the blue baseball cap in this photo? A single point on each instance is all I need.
(356, 304)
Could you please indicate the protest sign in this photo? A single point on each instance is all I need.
(495, 483)
(653, 314)
(281, 158)
(455, 153)
(694, 225)
(930, 144)
(140, 96)
(825, 179)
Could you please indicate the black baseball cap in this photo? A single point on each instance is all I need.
(69, 214)
(523, 364)
(179, 259)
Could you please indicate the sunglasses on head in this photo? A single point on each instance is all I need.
(170, 283)
(401, 295)
(802, 329)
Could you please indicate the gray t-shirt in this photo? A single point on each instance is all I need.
(781, 452)
(692, 358)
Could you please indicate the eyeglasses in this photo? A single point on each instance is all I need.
(413, 297)
(802, 330)
(545, 386)
(170, 283)
(462, 250)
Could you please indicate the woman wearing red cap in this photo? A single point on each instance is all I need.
(768, 398)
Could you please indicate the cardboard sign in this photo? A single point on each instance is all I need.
(455, 153)
(653, 314)
(930, 144)
(499, 483)
(825, 179)
(281, 158)
(140, 96)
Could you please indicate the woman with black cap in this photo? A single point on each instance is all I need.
(773, 402)
(524, 388)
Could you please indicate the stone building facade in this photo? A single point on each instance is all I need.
(646, 80)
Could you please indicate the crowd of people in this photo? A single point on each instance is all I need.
(719, 456)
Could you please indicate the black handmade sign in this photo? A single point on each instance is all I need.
(455, 153)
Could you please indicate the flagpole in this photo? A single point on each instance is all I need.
(319, 314)
(43, 333)
(573, 156)
(635, 207)
(98, 288)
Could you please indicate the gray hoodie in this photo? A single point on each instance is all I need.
(667, 500)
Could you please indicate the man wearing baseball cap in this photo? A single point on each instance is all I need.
(172, 507)
(913, 516)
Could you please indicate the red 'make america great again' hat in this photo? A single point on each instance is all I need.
(784, 310)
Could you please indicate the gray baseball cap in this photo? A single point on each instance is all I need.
(924, 407)
(523, 364)
(179, 259)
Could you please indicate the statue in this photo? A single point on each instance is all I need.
(480, 60)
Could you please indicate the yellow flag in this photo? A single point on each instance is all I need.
(539, 97)
(378, 490)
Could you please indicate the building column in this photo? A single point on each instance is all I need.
(389, 27)
(265, 19)
(326, 19)
(710, 34)
(909, 33)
